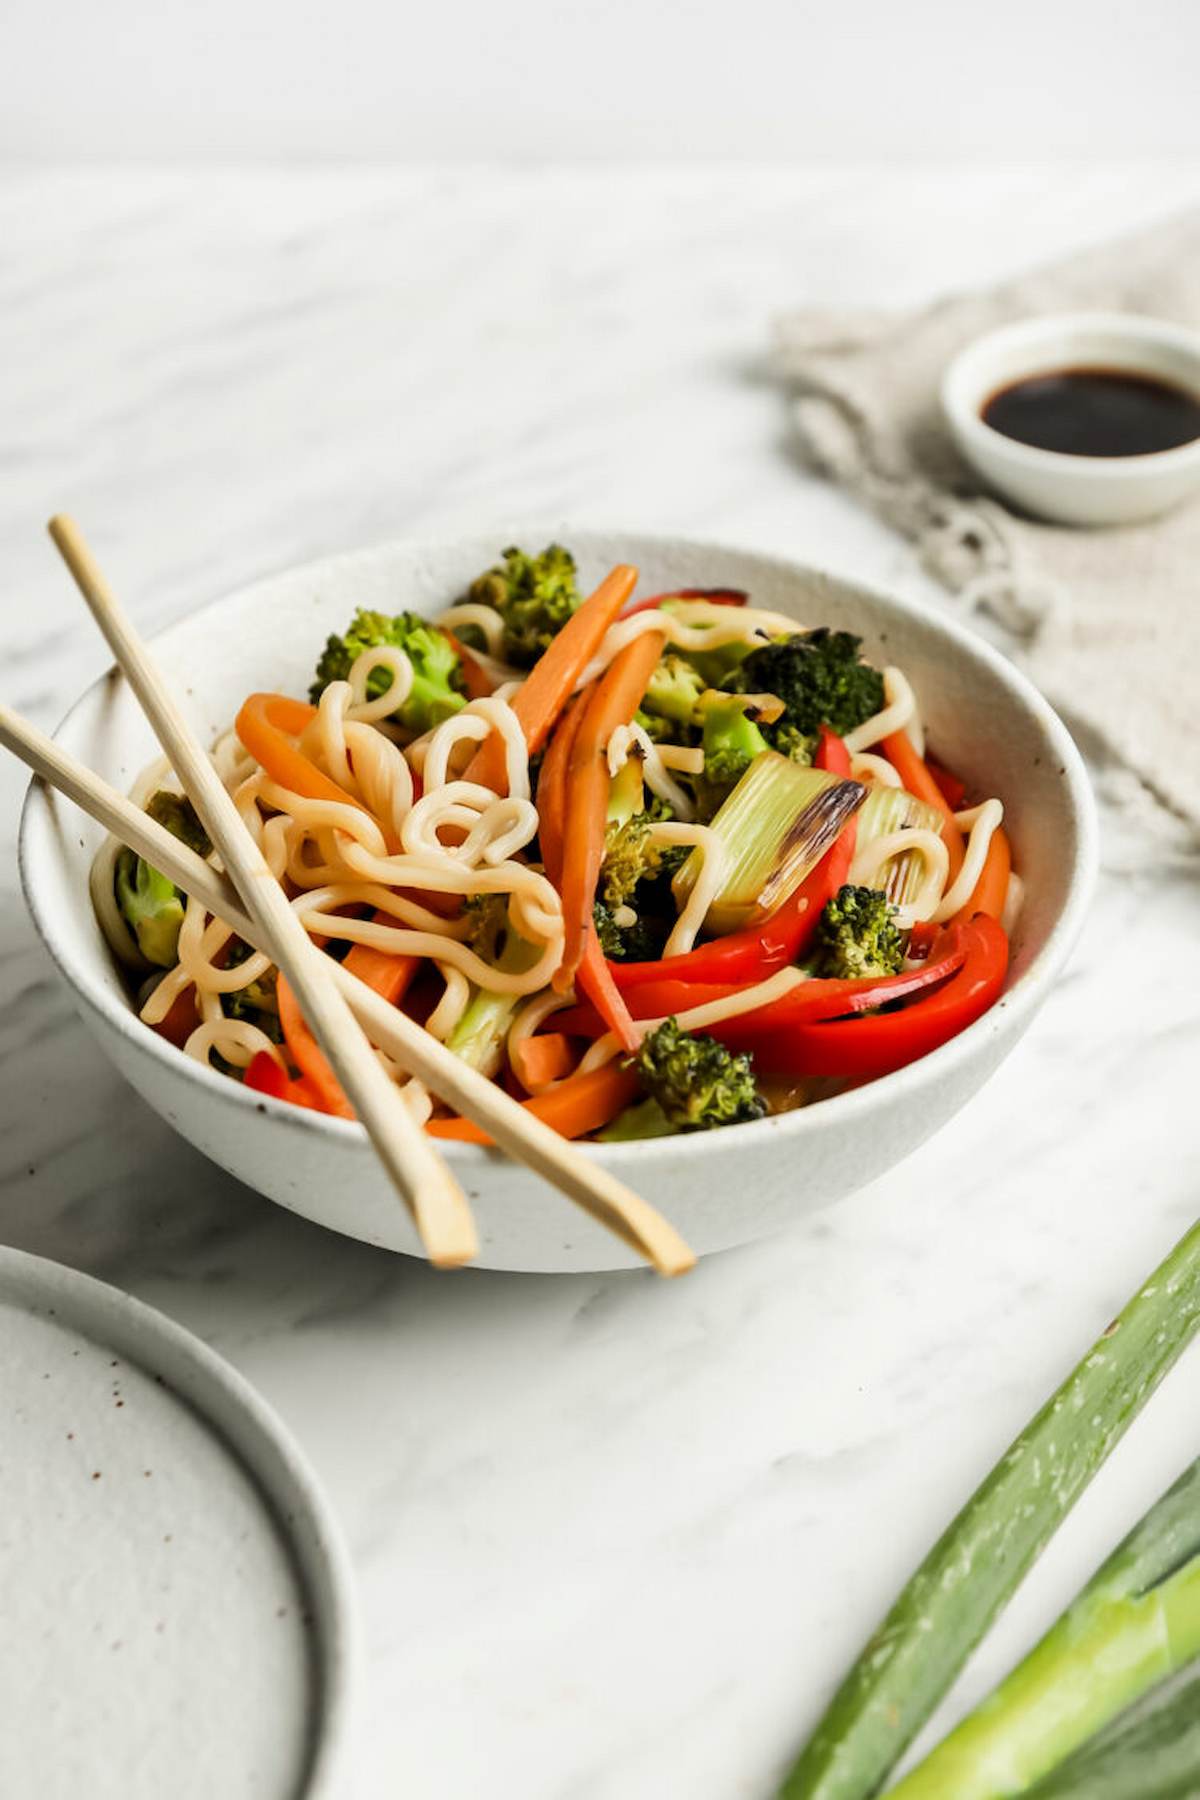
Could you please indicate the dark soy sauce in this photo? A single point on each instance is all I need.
(1095, 412)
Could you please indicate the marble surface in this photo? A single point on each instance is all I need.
(615, 1539)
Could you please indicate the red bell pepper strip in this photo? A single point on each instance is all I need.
(265, 1076)
(859, 1049)
(807, 1002)
(952, 790)
(757, 951)
(718, 596)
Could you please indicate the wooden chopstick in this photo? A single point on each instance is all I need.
(438, 1205)
(525, 1137)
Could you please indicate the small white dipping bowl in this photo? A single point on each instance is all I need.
(1074, 490)
(720, 1188)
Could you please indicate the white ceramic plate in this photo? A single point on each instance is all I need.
(720, 1188)
(177, 1615)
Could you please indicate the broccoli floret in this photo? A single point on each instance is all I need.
(640, 942)
(857, 936)
(637, 874)
(731, 740)
(674, 690)
(478, 1037)
(151, 905)
(437, 689)
(152, 908)
(628, 858)
(258, 1001)
(179, 816)
(658, 729)
(695, 1082)
(798, 746)
(487, 920)
(819, 677)
(534, 595)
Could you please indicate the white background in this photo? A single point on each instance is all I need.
(599, 80)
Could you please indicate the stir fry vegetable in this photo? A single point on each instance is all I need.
(586, 815)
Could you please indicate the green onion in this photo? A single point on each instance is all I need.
(1152, 1752)
(977, 1563)
(888, 809)
(775, 827)
(1136, 1622)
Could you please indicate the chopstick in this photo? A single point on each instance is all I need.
(518, 1132)
(436, 1201)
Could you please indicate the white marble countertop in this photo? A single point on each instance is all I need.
(615, 1539)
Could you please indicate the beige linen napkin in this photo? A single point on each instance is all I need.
(1107, 622)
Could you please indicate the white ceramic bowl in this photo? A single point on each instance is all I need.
(721, 1189)
(1074, 490)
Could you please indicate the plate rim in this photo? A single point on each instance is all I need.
(259, 1440)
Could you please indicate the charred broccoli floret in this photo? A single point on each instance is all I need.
(857, 936)
(437, 688)
(534, 595)
(818, 675)
(151, 905)
(691, 1083)
(640, 942)
(636, 875)
(629, 856)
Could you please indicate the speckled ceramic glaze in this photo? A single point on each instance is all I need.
(177, 1603)
(721, 1189)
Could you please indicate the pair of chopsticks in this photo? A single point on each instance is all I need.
(346, 1016)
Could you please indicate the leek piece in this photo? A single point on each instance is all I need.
(1135, 1623)
(888, 809)
(775, 827)
(979, 1560)
(1151, 1752)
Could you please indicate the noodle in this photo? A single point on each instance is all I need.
(399, 853)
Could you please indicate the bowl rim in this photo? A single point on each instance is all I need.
(1021, 999)
(961, 393)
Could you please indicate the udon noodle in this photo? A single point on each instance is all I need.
(407, 836)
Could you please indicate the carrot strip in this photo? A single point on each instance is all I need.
(389, 972)
(990, 891)
(266, 726)
(547, 687)
(596, 980)
(546, 1057)
(617, 697)
(594, 975)
(308, 1056)
(898, 748)
(581, 1104)
(476, 678)
(552, 785)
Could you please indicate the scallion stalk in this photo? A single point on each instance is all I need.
(978, 1562)
(1135, 1623)
(1151, 1752)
